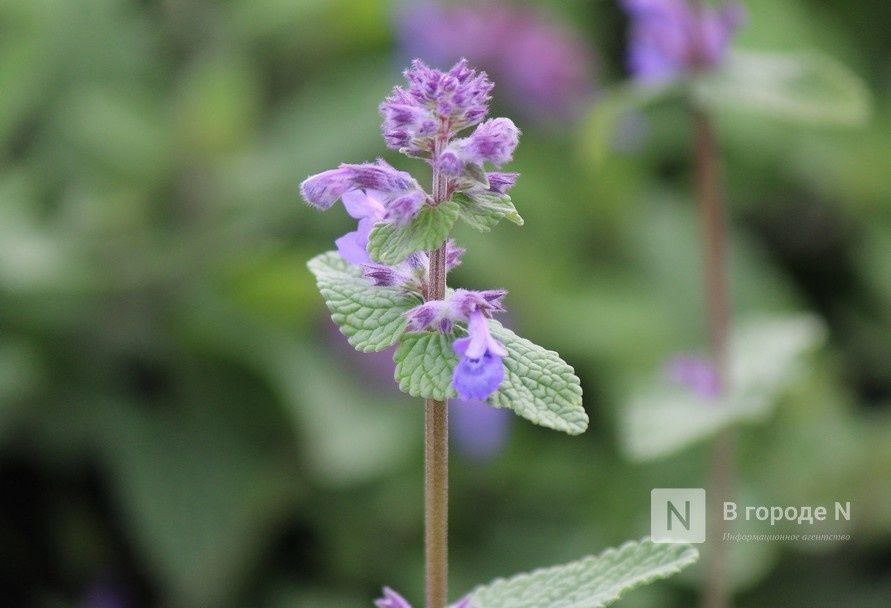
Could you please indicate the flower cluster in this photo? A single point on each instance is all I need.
(543, 68)
(435, 104)
(480, 371)
(669, 37)
(424, 119)
(410, 275)
(392, 599)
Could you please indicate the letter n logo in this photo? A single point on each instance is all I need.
(684, 519)
(677, 515)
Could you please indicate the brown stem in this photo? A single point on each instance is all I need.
(716, 593)
(436, 439)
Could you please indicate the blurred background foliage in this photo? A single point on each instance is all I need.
(181, 426)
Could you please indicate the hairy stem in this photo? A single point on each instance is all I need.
(436, 441)
(721, 464)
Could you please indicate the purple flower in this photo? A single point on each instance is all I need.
(464, 302)
(441, 315)
(436, 314)
(493, 141)
(695, 374)
(501, 182)
(368, 207)
(480, 370)
(401, 210)
(323, 189)
(371, 192)
(669, 37)
(412, 273)
(480, 430)
(435, 104)
(543, 68)
(392, 599)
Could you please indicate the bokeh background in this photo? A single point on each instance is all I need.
(181, 425)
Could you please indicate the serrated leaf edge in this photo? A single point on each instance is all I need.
(689, 555)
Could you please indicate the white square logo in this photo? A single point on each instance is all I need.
(677, 515)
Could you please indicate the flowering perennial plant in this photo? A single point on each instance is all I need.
(401, 228)
(386, 285)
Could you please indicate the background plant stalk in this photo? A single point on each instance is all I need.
(709, 191)
(436, 437)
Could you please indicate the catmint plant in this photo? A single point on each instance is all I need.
(386, 285)
(669, 39)
(684, 46)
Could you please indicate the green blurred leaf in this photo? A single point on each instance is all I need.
(483, 210)
(218, 104)
(592, 582)
(370, 317)
(390, 242)
(766, 355)
(349, 432)
(200, 496)
(425, 362)
(539, 385)
(804, 87)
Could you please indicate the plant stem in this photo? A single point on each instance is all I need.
(436, 440)
(721, 464)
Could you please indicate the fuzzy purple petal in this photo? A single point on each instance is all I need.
(428, 315)
(401, 210)
(454, 253)
(323, 189)
(391, 599)
(364, 203)
(353, 245)
(501, 182)
(493, 141)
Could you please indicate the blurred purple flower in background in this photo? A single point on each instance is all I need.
(375, 368)
(543, 68)
(669, 37)
(695, 374)
(480, 430)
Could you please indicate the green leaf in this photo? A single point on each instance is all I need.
(425, 362)
(475, 172)
(370, 317)
(592, 582)
(483, 209)
(803, 87)
(538, 385)
(766, 355)
(390, 243)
